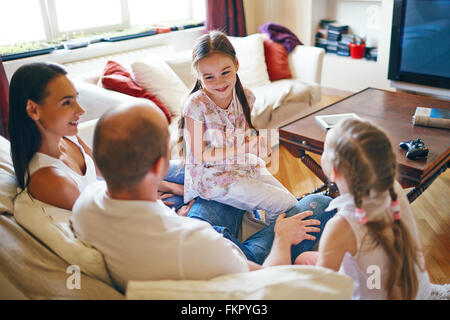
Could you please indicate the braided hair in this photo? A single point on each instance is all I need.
(214, 42)
(363, 154)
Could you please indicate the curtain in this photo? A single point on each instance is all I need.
(4, 98)
(227, 16)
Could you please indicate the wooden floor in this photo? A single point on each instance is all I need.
(431, 209)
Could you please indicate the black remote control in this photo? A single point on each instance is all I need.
(416, 149)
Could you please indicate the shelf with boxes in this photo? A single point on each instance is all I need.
(370, 22)
(336, 39)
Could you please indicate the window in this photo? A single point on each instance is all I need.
(18, 25)
(86, 14)
(47, 20)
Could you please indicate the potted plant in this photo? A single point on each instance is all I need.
(25, 49)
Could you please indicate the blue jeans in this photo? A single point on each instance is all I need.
(175, 177)
(227, 220)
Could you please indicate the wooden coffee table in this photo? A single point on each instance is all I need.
(392, 112)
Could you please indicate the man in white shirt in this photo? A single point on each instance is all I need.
(140, 237)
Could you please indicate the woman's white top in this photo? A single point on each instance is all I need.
(41, 160)
(369, 267)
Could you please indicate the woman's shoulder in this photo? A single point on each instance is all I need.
(45, 181)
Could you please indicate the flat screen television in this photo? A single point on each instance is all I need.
(420, 43)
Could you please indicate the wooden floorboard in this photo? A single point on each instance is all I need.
(431, 209)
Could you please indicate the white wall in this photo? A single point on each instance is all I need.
(302, 18)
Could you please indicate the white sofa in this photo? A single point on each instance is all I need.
(37, 258)
(277, 103)
(35, 255)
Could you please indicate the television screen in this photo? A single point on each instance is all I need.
(420, 42)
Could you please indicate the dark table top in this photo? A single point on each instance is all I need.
(390, 111)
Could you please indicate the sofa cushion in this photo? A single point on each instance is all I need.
(96, 100)
(278, 95)
(38, 273)
(51, 225)
(284, 91)
(116, 77)
(155, 75)
(181, 64)
(279, 282)
(8, 181)
(277, 62)
(252, 64)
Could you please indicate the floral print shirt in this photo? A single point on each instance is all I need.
(223, 128)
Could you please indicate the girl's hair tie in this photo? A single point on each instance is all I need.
(395, 207)
(362, 215)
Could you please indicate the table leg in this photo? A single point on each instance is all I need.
(417, 191)
(327, 188)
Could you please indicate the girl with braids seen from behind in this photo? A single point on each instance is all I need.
(373, 237)
(223, 160)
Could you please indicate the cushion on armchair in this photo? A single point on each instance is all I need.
(276, 60)
(291, 282)
(252, 64)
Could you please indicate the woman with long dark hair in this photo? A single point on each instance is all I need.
(50, 162)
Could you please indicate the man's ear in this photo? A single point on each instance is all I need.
(158, 167)
(32, 110)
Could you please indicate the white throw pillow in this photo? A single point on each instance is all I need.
(8, 181)
(291, 282)
(181, 64)
(252, 62)
(96, 100)
(155, 76)
(51, 225)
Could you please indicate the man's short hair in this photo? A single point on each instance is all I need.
(126, 151)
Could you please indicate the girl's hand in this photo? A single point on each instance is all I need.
(264, 149)
(177, 189)
(256, 145)
(249, 146)
(171, 187)
(162, 196)
(184, 210)
(294, 229)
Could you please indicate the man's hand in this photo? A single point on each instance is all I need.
(294, 229)
(184, 210)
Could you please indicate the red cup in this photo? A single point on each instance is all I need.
(357, 50)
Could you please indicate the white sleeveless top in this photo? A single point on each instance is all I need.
(368, 263)
(41, 160)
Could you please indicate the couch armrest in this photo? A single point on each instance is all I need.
(306, 63)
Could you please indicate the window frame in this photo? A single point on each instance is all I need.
(55, 32)
(50, 20)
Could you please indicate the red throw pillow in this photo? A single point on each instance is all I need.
(116, 77)
(276, 60)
